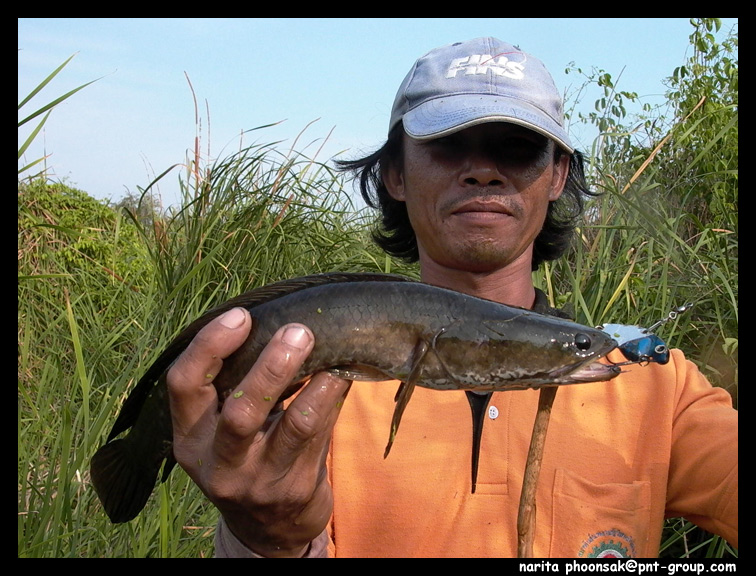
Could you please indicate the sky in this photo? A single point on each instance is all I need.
(329, 81)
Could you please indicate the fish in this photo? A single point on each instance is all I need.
(367, 327)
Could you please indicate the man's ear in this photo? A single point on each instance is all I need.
(393, 178)
(559, 178)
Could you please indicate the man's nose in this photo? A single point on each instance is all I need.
(481, 169)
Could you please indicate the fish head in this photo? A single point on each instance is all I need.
(570, 352)
(526, 350)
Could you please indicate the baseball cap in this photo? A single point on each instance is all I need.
(482, 80)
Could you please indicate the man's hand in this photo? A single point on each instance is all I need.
(263, 467)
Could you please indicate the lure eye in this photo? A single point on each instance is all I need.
(582, 341)
(660, 349)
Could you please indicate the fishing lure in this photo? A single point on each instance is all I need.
(640, 345)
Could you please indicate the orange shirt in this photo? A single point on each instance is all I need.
(620, 456)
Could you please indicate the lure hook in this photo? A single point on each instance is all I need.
(673, 314)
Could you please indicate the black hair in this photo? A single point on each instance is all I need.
(396, 236)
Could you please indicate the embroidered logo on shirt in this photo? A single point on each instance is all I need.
(608, 544)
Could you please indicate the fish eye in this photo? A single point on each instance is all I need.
(582, 341)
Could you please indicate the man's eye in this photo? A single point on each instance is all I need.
(514, 148)
(523, 144)
(446, 142)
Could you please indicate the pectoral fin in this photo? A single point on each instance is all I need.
(404, 393)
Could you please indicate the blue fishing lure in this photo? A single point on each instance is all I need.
(641, 345)
(637, 344)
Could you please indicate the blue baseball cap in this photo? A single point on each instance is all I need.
(483, 80)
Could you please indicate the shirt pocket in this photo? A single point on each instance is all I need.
(598, 520)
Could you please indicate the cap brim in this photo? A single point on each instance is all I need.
(443, 116)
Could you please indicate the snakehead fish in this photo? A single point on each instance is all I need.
(367, 327)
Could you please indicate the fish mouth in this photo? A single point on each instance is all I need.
(591, 372)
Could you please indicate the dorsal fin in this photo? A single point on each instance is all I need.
(273, 291)
(133, 404)
(285, 287)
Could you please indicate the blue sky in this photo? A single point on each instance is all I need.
(138, 119)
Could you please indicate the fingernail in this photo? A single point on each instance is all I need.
(295, 336)
(233, 318)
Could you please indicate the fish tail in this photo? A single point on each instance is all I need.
(123, 480)
(124, 470)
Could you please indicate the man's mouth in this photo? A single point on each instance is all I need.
(482, 209)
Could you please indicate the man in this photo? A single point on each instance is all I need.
(473, 183)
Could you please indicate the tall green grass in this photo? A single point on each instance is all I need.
(46, 109)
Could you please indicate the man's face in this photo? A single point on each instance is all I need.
(477, 199)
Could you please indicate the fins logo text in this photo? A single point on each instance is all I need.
(483, 63)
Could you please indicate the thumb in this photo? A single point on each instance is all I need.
(190, 379)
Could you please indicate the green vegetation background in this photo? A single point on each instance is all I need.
(103, 287)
